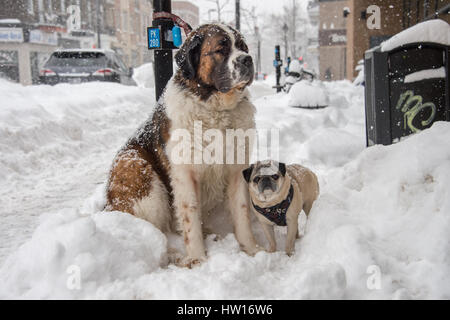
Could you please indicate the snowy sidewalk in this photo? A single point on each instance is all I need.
(383, 213)
(56, 145)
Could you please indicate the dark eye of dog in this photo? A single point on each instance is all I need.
(256, 180)
(275, 177)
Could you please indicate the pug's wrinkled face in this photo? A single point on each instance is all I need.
(265, 179)
(215, 58)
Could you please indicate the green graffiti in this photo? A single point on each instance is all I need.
(411, 106)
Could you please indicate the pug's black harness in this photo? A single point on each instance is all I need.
(277, 213)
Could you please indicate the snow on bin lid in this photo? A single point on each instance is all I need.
(437, 31)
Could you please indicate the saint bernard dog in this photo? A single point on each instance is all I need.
(209, 86)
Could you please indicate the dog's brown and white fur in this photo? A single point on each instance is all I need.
(269, 183)
(209, 86)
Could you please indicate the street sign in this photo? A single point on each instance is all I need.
(154, 37)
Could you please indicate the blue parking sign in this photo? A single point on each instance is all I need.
(154, 37)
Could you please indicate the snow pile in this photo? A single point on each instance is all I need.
(144, 76)
(56, 145)
(103, 248)
(308, 94)
(380, 228)
(360, 78)
(436, 30)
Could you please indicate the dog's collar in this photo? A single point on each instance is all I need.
(277, 213)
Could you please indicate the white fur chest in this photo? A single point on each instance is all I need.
(195, 119)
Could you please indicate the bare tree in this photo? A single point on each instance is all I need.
(220, 5)
(292, 16)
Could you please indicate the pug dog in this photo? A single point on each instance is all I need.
(279, 193)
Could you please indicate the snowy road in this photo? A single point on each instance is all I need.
(380, 228)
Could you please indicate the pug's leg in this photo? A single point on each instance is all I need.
(270, 235)
(292, 226)
(238, 202)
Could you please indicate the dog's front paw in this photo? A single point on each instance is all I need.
(253, 250)
(290, 253)
(188, 262)
(271, 249)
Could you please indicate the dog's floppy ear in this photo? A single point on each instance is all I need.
(188, 57)
(247, 173)
(282, 168)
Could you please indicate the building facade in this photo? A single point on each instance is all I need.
(332, 39)
(131, 19)
(30, 30)
(188, 11)
(347, 29)
(395, 16)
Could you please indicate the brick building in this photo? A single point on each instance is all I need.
(344, 35)
(332, 39)
(132, 17)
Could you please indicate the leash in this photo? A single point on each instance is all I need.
(176, 19)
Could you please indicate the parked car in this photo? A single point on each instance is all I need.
(84, 65)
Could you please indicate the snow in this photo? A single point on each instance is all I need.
(436, 30)
(382, 208)
(425, 74)
(307, 94)
(295, 66)
(10, 21)
(144, 76)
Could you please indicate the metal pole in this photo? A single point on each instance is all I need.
(238, 15)
(163, 64)
(99, 44)
(278, 67)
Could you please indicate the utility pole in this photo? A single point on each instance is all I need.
(238, 15)
(163, 56)
(258, 54)
(294, 16)
(285, 30)
(99, 44)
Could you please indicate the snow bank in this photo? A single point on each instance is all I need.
(100, 248)
(144, 76)
(56, 145)
(380, 228)
(308, 94)
(387, 209)
(435, 30)
(38, 123)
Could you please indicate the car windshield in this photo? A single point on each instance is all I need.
(77, 59)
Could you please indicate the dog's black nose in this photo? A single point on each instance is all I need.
(266, 184)
(245, 59)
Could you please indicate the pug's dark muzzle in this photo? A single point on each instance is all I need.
(266, 183)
